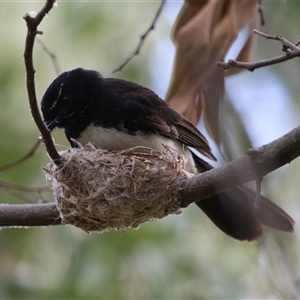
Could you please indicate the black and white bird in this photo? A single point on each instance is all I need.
(116, 114)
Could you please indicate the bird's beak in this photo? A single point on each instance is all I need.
(51, 124)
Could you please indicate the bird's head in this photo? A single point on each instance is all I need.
(67, 98)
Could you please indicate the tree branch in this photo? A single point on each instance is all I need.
(29, 215)
(32, 24)
(253, 165)
(291, 50)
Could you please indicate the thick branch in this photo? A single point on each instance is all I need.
(32, 31)
(29, 215)
(254, 165)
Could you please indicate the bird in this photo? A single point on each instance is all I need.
(116, 114)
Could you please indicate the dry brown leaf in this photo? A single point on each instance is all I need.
(203, 34)
(246, 53)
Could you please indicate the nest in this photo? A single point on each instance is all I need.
(97, 190)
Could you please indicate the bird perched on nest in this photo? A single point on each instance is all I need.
(116, 114)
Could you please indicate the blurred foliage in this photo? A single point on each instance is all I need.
(180, 257)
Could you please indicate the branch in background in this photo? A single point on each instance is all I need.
(254, 165)
(291, 50)
(142, 39)
(22, 158)
(32, 24)
(52, 57)
(15, 189)
(18, 195)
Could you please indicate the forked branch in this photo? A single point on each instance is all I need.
(291, 51)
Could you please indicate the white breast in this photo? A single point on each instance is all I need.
(113, 139)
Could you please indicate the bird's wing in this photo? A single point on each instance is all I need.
(148, 111)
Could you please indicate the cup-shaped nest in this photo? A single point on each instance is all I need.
(98, 190)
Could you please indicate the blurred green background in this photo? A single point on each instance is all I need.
(180, 257)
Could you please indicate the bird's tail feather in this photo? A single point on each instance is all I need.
(234, 212)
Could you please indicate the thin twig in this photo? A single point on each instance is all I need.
(52, 57)
(261, 13)
(32, 24)
(142, 39)
(286, 43)
(231, 63)
(22, 158)
(291, 50)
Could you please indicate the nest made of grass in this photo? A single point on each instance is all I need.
(97, 190)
